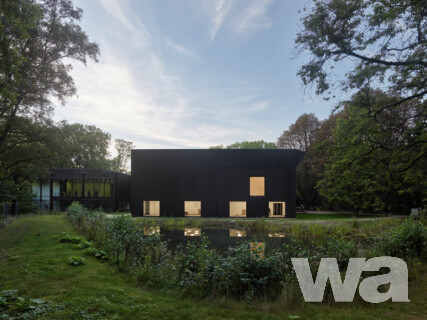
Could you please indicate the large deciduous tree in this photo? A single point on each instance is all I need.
(123, 149)
(380, 42)
(378, 49)
(81, 146)
(38, 41)
(374, 164)
(301, 135)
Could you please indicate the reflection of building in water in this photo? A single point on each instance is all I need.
(149, 231)
(258, 248)
(276, 235)
(237, 233)
(192, 232)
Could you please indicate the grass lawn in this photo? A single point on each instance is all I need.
(33, 261)
(324, 216)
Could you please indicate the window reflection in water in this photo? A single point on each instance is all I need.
(237, 233)
(192, 232)
(276, 235)
(150, 231)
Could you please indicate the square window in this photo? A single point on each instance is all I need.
(257, 186)
(193, 208)
(237, 208)
(152, 208)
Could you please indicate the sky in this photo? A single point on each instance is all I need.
(191, 73)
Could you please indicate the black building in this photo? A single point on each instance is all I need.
(94, 188)
(214, 183)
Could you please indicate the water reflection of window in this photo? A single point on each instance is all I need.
(237, 233)
(192, 232)
(277, 234)
(257, 248)
(150, 231)
(193, 208)
(151, 208)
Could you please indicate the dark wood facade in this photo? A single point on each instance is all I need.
(213, 177)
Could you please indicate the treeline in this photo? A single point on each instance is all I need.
(32, 147)
(359, 160)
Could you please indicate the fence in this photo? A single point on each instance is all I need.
(12, 209)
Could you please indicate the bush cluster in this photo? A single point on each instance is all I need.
(406, 241)
(242, 272)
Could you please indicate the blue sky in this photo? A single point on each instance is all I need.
(191, 73)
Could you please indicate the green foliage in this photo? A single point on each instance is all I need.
(38, 40)
(374, 163)
(76, 261)
(407, 240)
(71, 239)
(261, 144)
(370, 33)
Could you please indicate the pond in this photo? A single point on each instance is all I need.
(220, 238)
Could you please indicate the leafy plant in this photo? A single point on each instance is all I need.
(76, 261)
(407, 240)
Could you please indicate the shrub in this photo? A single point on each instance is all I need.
(405, 241)
(76, 261)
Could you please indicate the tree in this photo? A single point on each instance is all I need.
(381, 43)
(371, 162)
(123, 149)
(38, 39)
(381, 47)
(81, 146)
(301, 135)
(260, 144)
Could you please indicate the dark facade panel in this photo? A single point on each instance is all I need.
(214, 177)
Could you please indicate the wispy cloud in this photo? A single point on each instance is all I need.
(222, 8)
(253, 18)
(182, 50)
(138, 31)
(240, 17)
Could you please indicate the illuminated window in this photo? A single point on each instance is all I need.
(152, 208)
(276, 209)
(237, 209)
(257, 186)
(98, 190)
(77, 188)
(89, 188)
(108, 187)
(193, 208)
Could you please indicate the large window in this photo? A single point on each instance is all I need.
(193, 208)
(98, 188)
(73, 189)
(89, 188)
(276, 209)
(257, 186)
(237, 209)
(152, 208)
